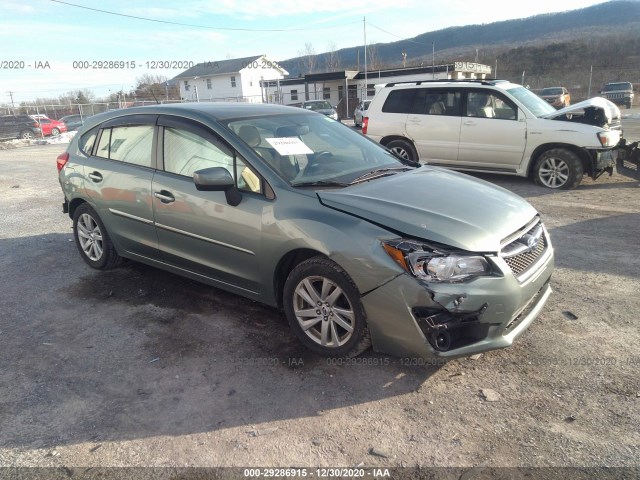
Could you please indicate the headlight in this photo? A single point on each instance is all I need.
(433, 265)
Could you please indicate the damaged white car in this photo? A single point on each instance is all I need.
(499, 127)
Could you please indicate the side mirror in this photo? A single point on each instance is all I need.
(217, 179)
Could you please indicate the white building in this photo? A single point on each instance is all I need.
(238, 79)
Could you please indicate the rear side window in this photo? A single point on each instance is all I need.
(400, 101)
(129, 144)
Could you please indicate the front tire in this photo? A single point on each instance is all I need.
(323, 308)
(55, 132)
(92, 239)
(403, 149)
(558, 168)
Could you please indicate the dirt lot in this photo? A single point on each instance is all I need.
(137, 367)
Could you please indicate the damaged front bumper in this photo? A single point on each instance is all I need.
(409, 318)
(628, 162)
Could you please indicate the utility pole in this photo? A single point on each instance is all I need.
(11, 95)
(433, 59)
(590, 78)
(366, 91)
(495, 73)
(404, 59)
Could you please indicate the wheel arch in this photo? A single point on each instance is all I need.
(287, 263)
(582, 154)
(384, 141)
(74, 204)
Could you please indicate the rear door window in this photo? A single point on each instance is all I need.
(129, 144)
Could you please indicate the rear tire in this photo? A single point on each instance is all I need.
(26, 135)
(558, 168)
(323, 307)
(55, 132)
(403, 149)
(92, 239)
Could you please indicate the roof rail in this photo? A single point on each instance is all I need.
(486, 81)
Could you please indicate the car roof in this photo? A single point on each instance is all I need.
(205, 111)
(449, 83)
(211, 110)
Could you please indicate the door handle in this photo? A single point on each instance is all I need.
(95, 177)
(164, 196)
(470, 123)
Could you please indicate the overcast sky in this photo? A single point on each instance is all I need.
(60, 33)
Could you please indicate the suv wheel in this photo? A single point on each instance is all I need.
(324, 310)
(403, 149)
(26, 134)
(92, 239)
(558, 168)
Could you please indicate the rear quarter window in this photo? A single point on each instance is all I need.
(87, 141)
(400, 101)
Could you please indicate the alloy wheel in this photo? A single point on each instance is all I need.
(90, 237)
(323, 311)
(554, 172)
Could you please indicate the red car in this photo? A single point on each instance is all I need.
(51, 127)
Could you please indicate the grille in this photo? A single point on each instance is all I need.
(521, 262)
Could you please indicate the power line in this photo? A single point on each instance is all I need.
(394, 35)
(167, 22)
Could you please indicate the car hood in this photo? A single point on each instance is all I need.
(438, 205)
(609, 109)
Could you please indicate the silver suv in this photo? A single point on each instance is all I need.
(496, 126)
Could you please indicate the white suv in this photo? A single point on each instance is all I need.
(496, 126)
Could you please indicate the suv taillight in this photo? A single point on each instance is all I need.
(365, 124)
(62, 160)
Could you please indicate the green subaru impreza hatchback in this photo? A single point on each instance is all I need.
(293, 209)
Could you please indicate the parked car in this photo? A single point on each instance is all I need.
(321, 106)
(496, 126)
(558, 97)
(73, 122)
(18, 126)
(620, 93)
(51, 127)
(360, 112)
(284, 207)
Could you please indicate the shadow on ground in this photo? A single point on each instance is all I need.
(136, 352)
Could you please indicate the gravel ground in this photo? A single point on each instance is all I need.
(137, 367)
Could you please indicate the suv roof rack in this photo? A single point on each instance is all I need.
(486, 81)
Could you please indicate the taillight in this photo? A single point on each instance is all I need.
(62, 160)
(365, 124)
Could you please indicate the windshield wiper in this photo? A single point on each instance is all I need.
(380, 172)
(320, 183)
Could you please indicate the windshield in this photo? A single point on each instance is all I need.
(309, 148)
(551, 91)
(531, 101)
(610, 87)
(319, 105)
